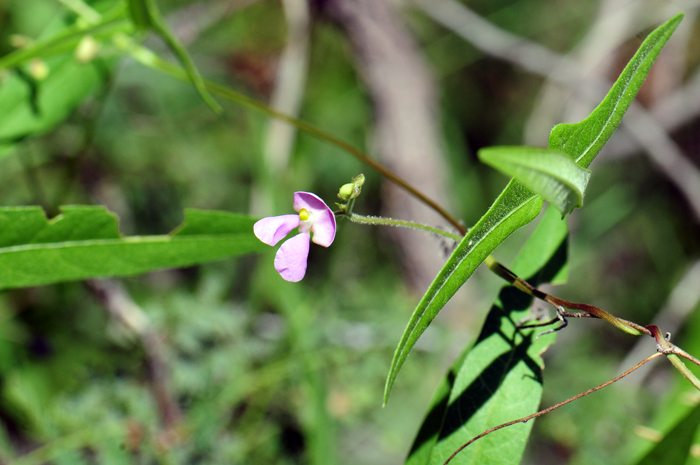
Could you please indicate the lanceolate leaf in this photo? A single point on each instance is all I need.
(84, 242)
(499, 379)
(550, 173)
(517, 205)
(514, 208)
(583, 140)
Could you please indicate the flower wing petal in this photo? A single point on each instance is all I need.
(290, 261)
(324, 225)
(273, 229)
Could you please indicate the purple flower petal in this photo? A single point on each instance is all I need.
(273, 229)
(324, 220)
(290, 261)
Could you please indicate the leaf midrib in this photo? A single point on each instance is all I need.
(125, 240)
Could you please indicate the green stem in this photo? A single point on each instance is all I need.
(382, 221)
(67, 39)
(672, 352)
(685, 371)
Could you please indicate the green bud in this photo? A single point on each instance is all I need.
(38, 69)
(87, 49)
(346, 191)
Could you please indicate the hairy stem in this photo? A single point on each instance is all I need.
(383, 221)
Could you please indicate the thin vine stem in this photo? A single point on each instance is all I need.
(384, 221)
(553, 407)
(152, 60)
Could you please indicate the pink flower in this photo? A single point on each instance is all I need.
(314, 217)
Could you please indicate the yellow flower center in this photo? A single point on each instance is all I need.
(303, 214)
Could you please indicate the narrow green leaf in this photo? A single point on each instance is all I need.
(517, 205)
(84, 242)
(583, 140)
(549, 173)
(499, 379)
(514, 208)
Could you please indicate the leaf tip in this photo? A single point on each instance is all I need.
(388, 385)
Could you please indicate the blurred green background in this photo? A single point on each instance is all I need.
(236, 365)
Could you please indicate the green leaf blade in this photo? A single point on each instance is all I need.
(585, 139)
(84, 243)
(515, 207)
(549, 173)
(499, 378)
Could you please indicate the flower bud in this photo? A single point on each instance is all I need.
(38, 69)
(359, 181)
(87, 49)
(346, 191)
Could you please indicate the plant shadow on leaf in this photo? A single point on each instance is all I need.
(496, 380)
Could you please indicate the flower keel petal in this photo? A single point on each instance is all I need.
(290, 261)
(273, 229)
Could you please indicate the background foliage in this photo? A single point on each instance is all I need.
(224, 362)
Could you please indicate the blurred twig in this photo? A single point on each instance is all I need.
(404, 99)
(122, 307)
(561, 69)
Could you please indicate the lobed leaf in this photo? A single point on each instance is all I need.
(551, 174)
(517, 205)
(84, 242)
